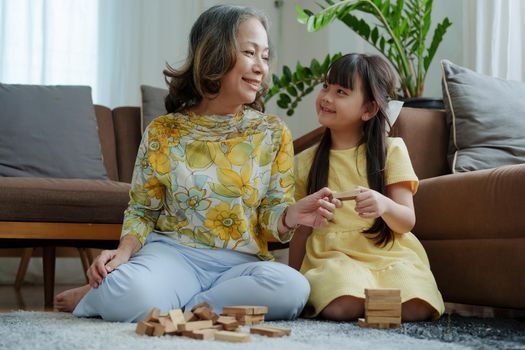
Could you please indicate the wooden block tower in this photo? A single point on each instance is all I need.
(382, 308)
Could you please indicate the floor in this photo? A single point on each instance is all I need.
(29, 297)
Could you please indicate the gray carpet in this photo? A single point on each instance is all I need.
(46, 330)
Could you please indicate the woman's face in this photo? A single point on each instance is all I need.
(240, 85)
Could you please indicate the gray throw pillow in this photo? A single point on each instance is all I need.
(152, 104)
(49, 131)
(486, 117)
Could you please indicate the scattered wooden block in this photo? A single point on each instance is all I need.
(228, 323)
(249, 319)
(158, 330)
(153, 315)
(271, 331)
(191, 326)
(144, 328)
(348, 195)
(189, 316)
(245, 310)
(203, 304)
(201, 334)
(234, 337)
(177, 316)
(169, 326)
(205, 313)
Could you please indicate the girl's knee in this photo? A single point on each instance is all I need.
(416, 310)
(345, 308)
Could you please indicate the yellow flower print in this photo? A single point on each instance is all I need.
(158, 156)
(262, 153)
(167, 128)
(154, 187)
(284, 162)
(234, 185)
(225, 222)
(258, 236)
(193, 199)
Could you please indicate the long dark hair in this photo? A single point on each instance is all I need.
(378, 84)
(212, 53)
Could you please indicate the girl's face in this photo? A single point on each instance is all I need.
(240, 85)
(339, 108)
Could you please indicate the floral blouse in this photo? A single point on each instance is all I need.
(213, 181)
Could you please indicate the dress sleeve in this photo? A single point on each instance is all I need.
(146, 196)
(398, 165)
(280, 193)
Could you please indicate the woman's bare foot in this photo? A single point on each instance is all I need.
(69, 299)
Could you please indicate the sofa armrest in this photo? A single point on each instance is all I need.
(487, 204)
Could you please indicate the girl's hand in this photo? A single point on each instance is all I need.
(103, 264)
(370, 204)
(314, 210)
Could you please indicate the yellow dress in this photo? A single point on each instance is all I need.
(340, 259)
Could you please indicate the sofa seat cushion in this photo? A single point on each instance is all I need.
(62, 200)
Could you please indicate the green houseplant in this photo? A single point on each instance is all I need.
(397, 29)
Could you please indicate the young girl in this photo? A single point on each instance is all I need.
(368, 243)
(212, 184)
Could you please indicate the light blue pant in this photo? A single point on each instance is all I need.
(168, 275)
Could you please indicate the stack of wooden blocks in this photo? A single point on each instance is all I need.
(202, 323)
(382, 308)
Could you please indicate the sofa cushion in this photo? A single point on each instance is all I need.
(152, 104)
(49, 131)
(63, 200)
(486, 117)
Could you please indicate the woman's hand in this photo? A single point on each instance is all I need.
(109, 260)
(103, 264)
(314, 210)
(370, 204)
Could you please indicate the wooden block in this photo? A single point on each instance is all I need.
(177, 316)
(348, 195)
(153, 315)
(387, 313)
(201, 334)
(362, 323)
(270, 331)
(234, 337)
(144, 328)
(245, 310)
(169, 326)
(380, 319)
(228, 323)
(203, 304)
(158, 330)
(205, 313)
(249, 319)
(191, 326)
(381, 306)
(189, 316)
(382, 292)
